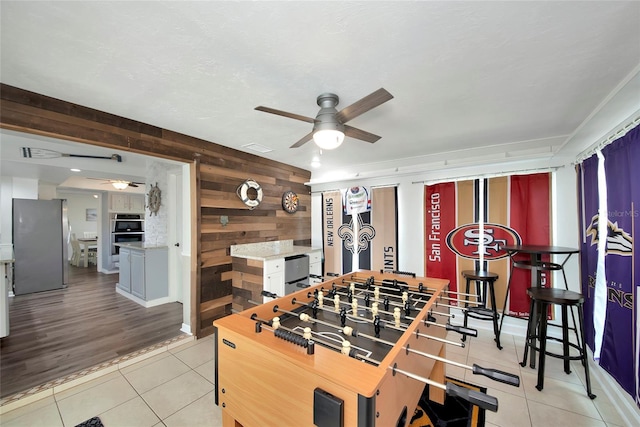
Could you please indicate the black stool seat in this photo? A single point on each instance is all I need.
(541, 299)
(481, 311)
(555, 296)
(545, 266)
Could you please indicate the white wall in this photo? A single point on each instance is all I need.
(155, 226)
(77, 205)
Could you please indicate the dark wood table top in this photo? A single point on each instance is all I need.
(540, 249)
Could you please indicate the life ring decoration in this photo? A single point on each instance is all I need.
(155, 199)
(251, 200)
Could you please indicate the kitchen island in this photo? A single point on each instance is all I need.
(261, 266)
(144, 273)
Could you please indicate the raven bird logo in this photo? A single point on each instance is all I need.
(619, 242)
(366, 233)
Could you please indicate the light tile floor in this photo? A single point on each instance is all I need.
(175, 388)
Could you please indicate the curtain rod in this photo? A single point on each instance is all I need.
(489, 175)
(370, 186)
(615, 135)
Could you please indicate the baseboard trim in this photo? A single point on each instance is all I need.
(186, 329)
(145, 304)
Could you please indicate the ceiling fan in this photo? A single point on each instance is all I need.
(329, 128)
(119, 184)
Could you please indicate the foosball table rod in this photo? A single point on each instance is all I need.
(390, 325)
(493, 374)
(482, 400)
(263, 324)
(474, 397)
(346, 330)
(421, 289)
(421, 292)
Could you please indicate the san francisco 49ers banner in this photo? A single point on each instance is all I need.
(360, 229)
(467, 222)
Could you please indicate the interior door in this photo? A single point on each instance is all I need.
(175, 219)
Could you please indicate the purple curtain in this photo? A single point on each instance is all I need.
(619, 354)
(588, 196)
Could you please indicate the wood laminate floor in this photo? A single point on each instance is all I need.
(59, 332)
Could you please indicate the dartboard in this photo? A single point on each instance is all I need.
(290, 201)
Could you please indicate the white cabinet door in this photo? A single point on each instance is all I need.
(126, 203)
(136, 203)
(125, 269)
(137, 274)
(118, 202)
(274, 282)
(273, 277)
(315, 267)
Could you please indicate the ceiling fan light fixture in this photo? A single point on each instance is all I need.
(328, 139)
(120, 185)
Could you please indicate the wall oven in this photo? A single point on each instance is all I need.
(124, 238)
(126, 228)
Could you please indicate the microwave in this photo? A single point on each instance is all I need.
(128, 223)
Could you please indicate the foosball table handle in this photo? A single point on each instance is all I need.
(482, 400)
(268, 294)
(496, 375)
(462, 330)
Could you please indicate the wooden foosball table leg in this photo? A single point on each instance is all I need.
(438, 374)
(229, 421)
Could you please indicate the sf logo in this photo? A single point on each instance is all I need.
(486, 241)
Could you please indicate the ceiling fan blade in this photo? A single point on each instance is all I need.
(360, 134)
(362, 106)
(285, 114)
(133, 184)
(308, 137)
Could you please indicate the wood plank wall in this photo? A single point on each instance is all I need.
(216, 174)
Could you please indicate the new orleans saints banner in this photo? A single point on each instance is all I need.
(331, 222)
(384, 220)
(360, 229)
(466, 223)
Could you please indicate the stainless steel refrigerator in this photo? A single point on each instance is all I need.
(40, 242)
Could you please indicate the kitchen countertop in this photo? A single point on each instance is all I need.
(6, 253)
(270, 250)
(140, 245)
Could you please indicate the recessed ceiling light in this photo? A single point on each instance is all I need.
(75, 170)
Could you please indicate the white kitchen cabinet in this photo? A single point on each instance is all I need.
(144, 272)
(138, 264)
(273, 277)
(315, 267)
(126, 203)
(125, 270)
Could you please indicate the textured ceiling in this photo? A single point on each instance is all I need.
(472, 81)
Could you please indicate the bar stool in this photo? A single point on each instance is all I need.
(541, 299)
(481, 312)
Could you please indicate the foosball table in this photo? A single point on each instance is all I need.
(355, 350)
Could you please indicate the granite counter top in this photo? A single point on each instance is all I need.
(140, 245)
(265, 251)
